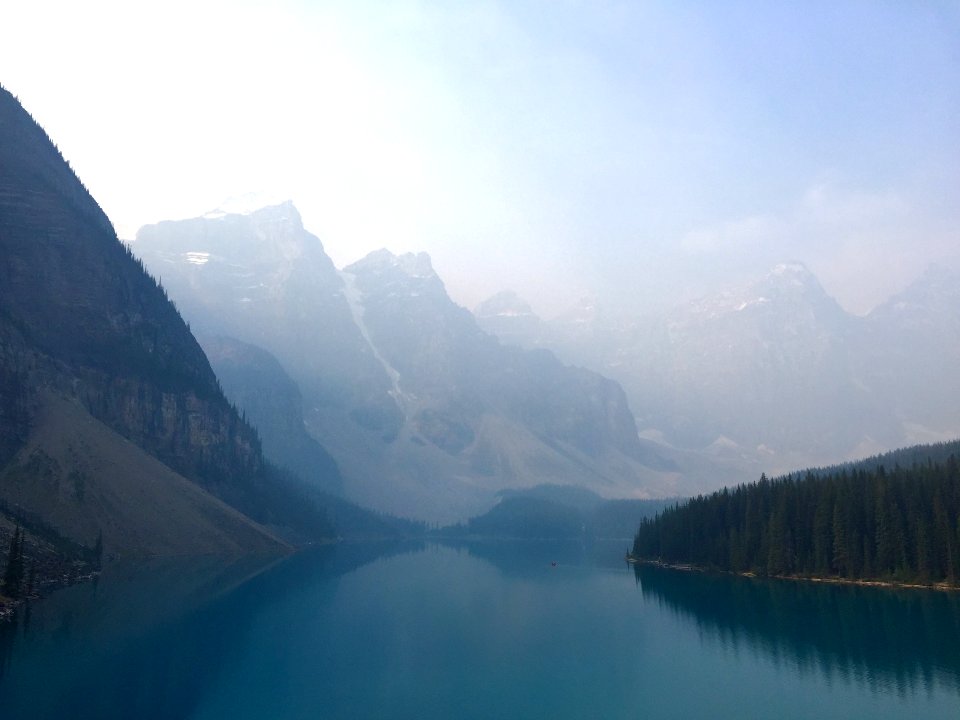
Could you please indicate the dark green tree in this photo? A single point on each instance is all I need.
(859, 522)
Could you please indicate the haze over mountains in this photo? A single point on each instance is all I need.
(773, 375)
(425, 413)
(113, 427)
(370, 383)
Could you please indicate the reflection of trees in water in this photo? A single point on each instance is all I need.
(8, 631)
(148, 641)
(907, 639)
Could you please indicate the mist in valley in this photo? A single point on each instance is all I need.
(647, 249)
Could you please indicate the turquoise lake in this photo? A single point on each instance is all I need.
(489, 630)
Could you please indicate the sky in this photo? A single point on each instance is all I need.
(641, 153)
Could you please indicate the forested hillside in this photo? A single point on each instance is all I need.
(115, 436)
(865, 522)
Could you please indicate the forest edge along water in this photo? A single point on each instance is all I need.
(475, 629)
(685, 567)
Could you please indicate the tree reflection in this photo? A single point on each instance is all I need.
(908, 639)
(147, 641)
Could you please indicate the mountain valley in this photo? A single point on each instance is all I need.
(425, 414)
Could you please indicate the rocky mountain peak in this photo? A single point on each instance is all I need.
(380, 262)
(505, 303)
(251, 203)
(789, 289)
(794, 272)
(382, 276)
(792, 279)
(932, 300)
(235, 243)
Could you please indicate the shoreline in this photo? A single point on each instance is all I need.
(892, 584)
(9, 606)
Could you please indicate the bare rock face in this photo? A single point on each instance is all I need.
(263, 279)
(426, 414)
(255, 381)
(81, 321)
(773, 375)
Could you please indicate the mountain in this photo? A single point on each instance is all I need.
(910, 349)
(425, 414)
(508, 317)
(257, 384)
(765, 368)
(261, 278)
(112, 423)
(558, 511)
(773, 375)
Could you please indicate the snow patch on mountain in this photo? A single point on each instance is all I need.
(355, 302)
(197, 258)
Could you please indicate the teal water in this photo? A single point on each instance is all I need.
(485, 631)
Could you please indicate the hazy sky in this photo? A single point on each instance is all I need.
(634, 150)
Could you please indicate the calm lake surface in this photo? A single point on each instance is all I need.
(482, 631)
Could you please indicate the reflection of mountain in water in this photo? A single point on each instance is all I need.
(909, 639)
(148, 641)
(520, 558)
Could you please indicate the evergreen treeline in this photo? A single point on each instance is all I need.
(866, 523)
(938, 452)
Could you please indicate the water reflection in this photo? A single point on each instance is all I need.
(480, 630)
(904, 639)
(146, 641)
(519, 558)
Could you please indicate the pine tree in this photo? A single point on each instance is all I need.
(860, 523)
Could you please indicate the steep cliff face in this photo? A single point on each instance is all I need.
(262, 278)
(426, 414)
(772, 375)
(79, 301)
(256, 382)
(456, 371)
(76, 476)
(82, 322)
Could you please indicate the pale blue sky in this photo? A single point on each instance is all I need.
(639, 151)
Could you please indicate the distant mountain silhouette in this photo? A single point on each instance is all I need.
(256, 382)
(773, 375)
(425, 413)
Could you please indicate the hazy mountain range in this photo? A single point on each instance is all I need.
(774, 375)
(425, 413)
(370, 383)
(113, 427)
(116, 437)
